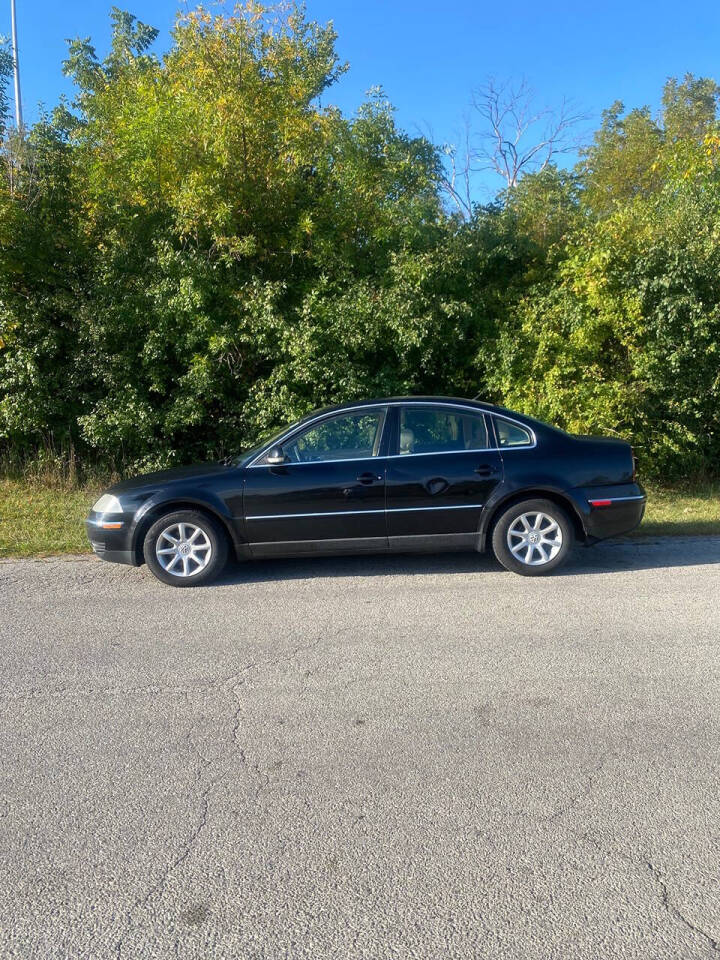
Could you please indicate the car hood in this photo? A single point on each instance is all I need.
(175, 474)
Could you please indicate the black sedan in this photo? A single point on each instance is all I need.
(394, 475)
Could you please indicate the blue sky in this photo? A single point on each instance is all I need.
(429, 56)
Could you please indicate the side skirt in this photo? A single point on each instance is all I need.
(420, 543)
(304, 548)
(434, 542)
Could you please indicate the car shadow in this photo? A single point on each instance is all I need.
(643, 553)
(649, 553)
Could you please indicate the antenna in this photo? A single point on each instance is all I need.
(16, 69)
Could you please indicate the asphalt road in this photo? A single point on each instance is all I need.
(404, 757)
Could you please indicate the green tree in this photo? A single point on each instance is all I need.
(218, 216)
(628, 337)
(689, 107)
(6, 68)
(42, 279)
(620, 163)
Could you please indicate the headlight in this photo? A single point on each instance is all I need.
(107, 504)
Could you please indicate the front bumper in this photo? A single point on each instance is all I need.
(113, 545)
(610, 511)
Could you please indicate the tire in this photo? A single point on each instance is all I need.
(555, 532)
(186, 565)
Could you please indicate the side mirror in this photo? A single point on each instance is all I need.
(275, 456)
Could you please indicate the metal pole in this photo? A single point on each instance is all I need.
(16, 69)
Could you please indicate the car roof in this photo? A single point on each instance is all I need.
(480, 405)
(539, 426)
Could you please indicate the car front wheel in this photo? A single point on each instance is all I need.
(185, 549)
(533, 537)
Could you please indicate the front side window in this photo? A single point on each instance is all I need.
(349, 436)
(512, 434)
(439, 430)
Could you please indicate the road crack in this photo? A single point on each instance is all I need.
(234, 682)
(673, 911)
(650, 869)
(610, 754)
(186, 849)
(668, 905)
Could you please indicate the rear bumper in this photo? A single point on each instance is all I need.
(609, 511)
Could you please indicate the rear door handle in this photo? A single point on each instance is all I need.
(368, 478)
(485, 470)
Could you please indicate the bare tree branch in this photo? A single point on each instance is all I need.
(516, 138)
(455, 180)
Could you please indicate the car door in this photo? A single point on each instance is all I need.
(441, 472)
(329, 493)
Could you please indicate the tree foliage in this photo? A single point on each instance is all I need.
(626, 335)
(196, 250)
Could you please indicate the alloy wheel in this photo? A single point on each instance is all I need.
(183, 549)
(534, 538)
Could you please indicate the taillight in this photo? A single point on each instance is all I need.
(634, 464)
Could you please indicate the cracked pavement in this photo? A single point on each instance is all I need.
(381, 757)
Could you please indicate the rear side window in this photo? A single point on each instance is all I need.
(440, 430)
(512, 434)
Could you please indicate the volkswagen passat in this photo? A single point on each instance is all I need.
(380, 476)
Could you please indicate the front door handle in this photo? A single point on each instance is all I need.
(368, 478)
(485, 470)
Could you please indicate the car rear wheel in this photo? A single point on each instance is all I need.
(533, 537)
(185, 549)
